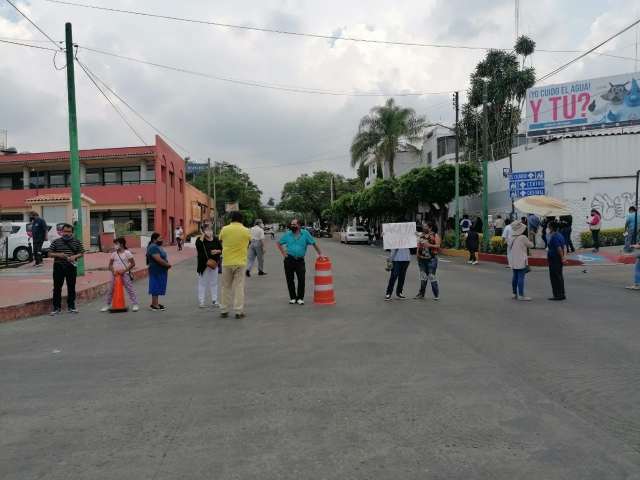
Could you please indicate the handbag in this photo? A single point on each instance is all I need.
(129, 272)
(390, 262)
(211, 263)
(528, 270)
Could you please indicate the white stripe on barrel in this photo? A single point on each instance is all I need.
(322, 288)
(323, 273)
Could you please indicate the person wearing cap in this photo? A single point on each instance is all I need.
(518, 244)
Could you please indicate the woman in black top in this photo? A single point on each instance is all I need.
(209, 248)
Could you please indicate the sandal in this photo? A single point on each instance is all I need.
(633, 287)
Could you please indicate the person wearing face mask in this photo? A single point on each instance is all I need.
(235, 239)
(208, 248)
(121, 264)
(65, 250)
(296, 241)
(158, 271)
(39, 235)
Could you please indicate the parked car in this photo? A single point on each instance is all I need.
(20, 240)
(354, 235)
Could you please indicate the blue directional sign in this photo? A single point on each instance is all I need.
(196, 167)
(526, 184)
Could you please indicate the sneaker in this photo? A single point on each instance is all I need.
(39, 265)
(475, 263)
(72, 310)
(56, 311)
(135, 308)
(387, 298)
(418, 296)
(514, 296)
(215, 304)
(159, 308)
(260, 272)
(436, 297)
(292, 302)
(524, 299)
(470, 262)
(105, 308)
(248, 273)
(224, 314)
(400, 296)
(240, 315)
(201, 305)
(300, 302)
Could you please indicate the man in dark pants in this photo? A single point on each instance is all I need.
(556, 255)
(296, 241)
(566, 222)
(65, 250)
(39, 235)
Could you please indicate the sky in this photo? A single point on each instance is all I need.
(276, 135)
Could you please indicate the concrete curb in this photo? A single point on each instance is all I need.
(38, 307)
(502, 259)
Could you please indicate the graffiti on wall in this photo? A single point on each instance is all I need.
(613, 207)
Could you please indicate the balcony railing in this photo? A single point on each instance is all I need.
(86, 184)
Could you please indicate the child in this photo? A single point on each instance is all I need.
(472, 240)
(121, 263)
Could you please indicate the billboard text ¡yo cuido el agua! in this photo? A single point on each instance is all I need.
(608, 102)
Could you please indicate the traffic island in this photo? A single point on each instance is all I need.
(534, 261)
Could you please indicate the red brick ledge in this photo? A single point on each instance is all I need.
(502, 259)
(39, 307)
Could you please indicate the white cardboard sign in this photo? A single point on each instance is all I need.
(399, 235)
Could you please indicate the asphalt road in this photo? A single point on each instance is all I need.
(474, 386)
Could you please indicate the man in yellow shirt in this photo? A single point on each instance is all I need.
(235, 239)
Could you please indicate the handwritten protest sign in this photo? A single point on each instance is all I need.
(399, 235)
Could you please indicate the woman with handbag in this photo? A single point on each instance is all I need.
(594, 225)
(518, 244)
(121, 264)
(209, 249)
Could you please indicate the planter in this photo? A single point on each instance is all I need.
(132, 242)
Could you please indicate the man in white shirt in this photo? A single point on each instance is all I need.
(178, 235)
(257, 248)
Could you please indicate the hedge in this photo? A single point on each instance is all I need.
(608, 238)
(496, 245)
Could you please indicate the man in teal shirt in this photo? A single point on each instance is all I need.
(296, 240)
(631, 228)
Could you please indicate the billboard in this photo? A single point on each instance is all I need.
(607, 102)
(231, 207)
(197, 213)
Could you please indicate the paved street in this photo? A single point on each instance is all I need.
(474, 386)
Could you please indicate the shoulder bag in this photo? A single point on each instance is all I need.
(129, 272)
(390, 261)
(211, 263)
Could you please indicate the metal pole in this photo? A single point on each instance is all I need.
(209, 189)
(457, 226)
(513, 208)
(635, 230)
(215, 207)
(485, 159)
(74, 157)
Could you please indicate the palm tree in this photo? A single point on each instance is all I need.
(387, 130)
(271, 202)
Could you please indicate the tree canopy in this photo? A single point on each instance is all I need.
(387, 130)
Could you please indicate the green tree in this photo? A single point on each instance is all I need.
(508, 81)
(232, 185)
(387, 130)
(311, 194)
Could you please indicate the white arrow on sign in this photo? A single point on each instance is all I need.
(531, 175)
(522, 184)
(523, 193)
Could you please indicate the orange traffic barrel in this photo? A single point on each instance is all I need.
(118, 305)
(323, 283)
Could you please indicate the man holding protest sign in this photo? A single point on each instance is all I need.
(399, 238)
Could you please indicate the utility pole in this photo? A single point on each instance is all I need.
(209, 190)
(485, 159)
(331, 189)
(215, 208)
(74, 156)
(513, 208)
(456, 97)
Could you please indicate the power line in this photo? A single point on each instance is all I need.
(29, 20)
(26, 40)
(122, 115)
(274, 86)
(30, 46)
(134, 111)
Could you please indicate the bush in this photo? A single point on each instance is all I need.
(497, 246)
(449, 241)
(608, 238)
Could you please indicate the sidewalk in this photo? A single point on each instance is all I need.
(27, 291)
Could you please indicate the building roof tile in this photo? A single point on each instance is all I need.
(96, 153)
(56, 197)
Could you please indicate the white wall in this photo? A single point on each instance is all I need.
(584, 172)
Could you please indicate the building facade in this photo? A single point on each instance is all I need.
(145, 185)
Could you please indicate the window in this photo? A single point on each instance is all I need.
(36, 180)
(151, 172)
(58, 179)
(163, 174)
(135, 215)
(430, 134)
(131, 175)
(429, 158)
(181, 182)
(93, 176)
(171, 179)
